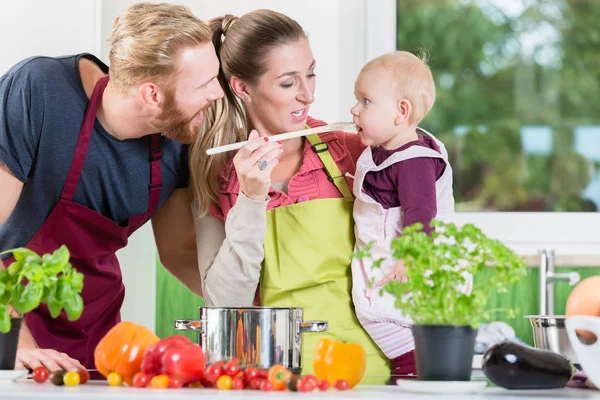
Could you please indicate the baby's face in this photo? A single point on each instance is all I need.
(376, 107)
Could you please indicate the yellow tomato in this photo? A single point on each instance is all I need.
(114, 379)
(71, 379)
(224, 382)
(160, 381)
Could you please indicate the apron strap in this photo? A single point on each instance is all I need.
(83, 141)
(333, 172)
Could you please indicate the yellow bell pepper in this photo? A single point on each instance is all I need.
(333, 361)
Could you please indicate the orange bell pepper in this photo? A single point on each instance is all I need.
(339, 360)
(121, 350)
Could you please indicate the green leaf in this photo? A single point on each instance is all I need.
(57, 261)
(4, 319)
(74, 307)
(77, 281)
(54, 304)
(30, 298)
(22, 253)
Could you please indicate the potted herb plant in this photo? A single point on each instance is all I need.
(450, 273)
(30, 281)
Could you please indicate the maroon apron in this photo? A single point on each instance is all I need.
(93, 241)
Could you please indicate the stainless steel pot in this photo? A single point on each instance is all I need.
(549, 333)
(259, 336)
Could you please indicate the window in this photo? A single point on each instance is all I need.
(518, 89)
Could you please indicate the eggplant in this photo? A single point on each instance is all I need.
(514, 366)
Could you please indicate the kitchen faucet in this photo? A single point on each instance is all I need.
(547, 279)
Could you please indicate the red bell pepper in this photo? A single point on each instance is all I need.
(175, 356)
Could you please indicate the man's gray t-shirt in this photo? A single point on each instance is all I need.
(42, 104)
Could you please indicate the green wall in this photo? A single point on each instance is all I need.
(175, 301)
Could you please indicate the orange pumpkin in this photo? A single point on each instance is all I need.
(121, 350)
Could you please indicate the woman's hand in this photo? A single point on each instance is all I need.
(254, 163)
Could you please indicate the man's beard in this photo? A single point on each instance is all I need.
(173, 124)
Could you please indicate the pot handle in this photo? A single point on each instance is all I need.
(190, 325)
(312, 326)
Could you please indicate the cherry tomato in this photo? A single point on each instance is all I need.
(323, 385)
(114, 379)
(254, 384)
(84, 376)
(238, 384)
(232, 369)
(224, 382)
(341, 384)
(210, 380)
(140, 380)
(160, 381)
(57, 378)
(263, 373)
(266, 386)
(250, 373)
(71, 378)
(214, 369)
(175, 383)
(311, 380)
(40, 374)
(304, 386)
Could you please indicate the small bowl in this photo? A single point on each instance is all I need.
(549, 333)
(588, 353)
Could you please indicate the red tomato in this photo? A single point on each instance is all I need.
(175, 383)
(311, 380)
(304, 386)
(210, 380)
(214, 369)
(255, 383)
(342, 384)
(40, 374)
(250, 373)
(266, 386)
(185, 362)
(232, 369)
(323, 385)
(238, 384)
(84, 376)
(140, 380)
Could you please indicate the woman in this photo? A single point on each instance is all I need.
(278, 220)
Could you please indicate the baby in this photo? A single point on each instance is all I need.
(402, 177)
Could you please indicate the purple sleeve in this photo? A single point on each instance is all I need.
(415, 181)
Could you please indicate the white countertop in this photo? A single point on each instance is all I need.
(23, 389)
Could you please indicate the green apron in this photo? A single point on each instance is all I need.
(308, 252)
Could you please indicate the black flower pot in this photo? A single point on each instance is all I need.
(444, 352)
(8, 345)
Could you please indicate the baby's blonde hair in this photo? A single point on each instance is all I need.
(146, 40)
(412, 80)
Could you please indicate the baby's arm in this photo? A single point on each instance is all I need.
(415, 182)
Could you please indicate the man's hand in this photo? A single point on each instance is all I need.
(399, 274)
(32, 357)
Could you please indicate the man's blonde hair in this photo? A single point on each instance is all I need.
(146, 40)
(412, 80)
